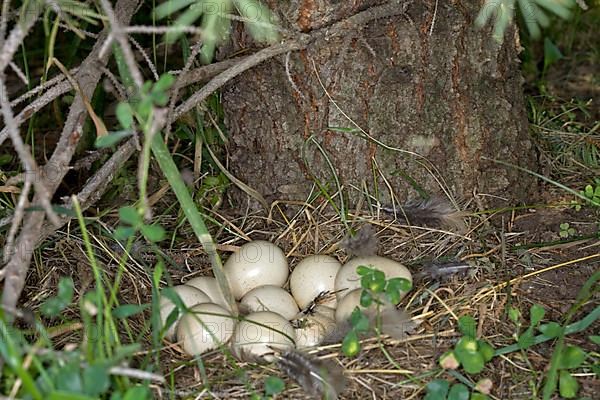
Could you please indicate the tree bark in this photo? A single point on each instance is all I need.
(422, 99)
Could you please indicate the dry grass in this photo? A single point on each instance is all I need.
(511, 266)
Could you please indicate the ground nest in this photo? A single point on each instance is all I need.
(517, 259)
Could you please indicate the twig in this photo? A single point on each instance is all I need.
(19, 73)
(96, 186)
(17, 218)
(88, 77)
(121, 38)
(18, 33)
(178, 83)
(52, 93)
(137, 374)
(4, 21)
(29, 163)
(146, 58)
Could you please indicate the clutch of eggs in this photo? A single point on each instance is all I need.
(256, 274)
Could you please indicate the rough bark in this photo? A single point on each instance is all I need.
(441, 92)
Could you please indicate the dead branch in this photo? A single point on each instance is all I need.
(88, 77)
(96, 185)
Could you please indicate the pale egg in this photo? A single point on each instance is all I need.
(270, 298)
(204, 328)
(189, 296)
(259, 335)
(347, 305)
(312, 276)
(209, 285)
(255, 264)
(347, 279)
(313, 329)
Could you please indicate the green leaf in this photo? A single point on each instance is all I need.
(595, 339)
(258, 21)
(111, 139)
(215, 27)
(366, 299)
(467, 326)
(137, 393)
(393, 294)
(127, 310)
(160, 98)
(551, 53)
(567, 385)
(571, 357)
(377, 284)
(144, 107)
(274, 385)
(186, 19)
(536, 313)
(351, 345)
(473, 363)
(124, 114)
(96, 379)
(374, 281)
(54, 305)
(458, 391)
(126, 351)
(68, 379)
(395, 287)
(359, 321)
(486, 350)
(526, 339)
(64, 395)
(170, 7)
(164, 83)
(551, 329)
(123, 233)
(5, 159)
(514, 315)
(437, 389)
(154, 233)
(363, 270)
(466, 352)
(130, 215)
(479, 396)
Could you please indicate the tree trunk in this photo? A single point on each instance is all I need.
(420, 100)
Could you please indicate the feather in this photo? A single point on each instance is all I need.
(440, 271)
(316, 377)
(434, 212)
(395, 323)
(363, 243)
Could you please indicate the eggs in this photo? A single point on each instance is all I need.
(313, 329)
(260, 334)
(312, 276)
(257, 273)
(189, 296)
(349, 302)
(347, 279)
(271, 298)
(255, 264)
(209, 285)
(204, 328)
